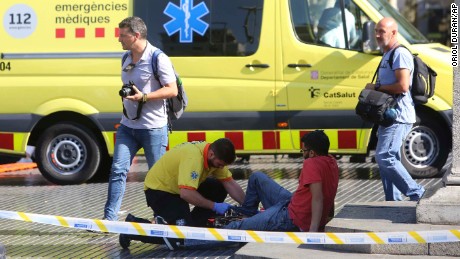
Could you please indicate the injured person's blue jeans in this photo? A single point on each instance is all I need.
(275, 200)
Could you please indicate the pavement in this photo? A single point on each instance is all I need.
(28, 191)
(291, 251)
(377, 216)
(368, 217)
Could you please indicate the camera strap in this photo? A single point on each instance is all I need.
(139, 109)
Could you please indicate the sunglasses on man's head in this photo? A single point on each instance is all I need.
(129, 67)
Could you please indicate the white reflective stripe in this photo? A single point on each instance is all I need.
(410, 237)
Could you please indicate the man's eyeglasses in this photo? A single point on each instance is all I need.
(129, 67)
(305, 150)
(126, 35)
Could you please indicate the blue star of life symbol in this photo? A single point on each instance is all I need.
(194, 175)
(186, 19)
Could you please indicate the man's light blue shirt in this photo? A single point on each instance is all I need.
(386, 76)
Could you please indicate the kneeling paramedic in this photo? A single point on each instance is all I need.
(193, 173)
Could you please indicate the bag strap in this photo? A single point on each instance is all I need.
(155, 55)
(138, 113)
(139, 107)
(125, 56)
(390, 60)
(377, 70)
(392, 54)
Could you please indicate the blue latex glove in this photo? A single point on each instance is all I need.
(221, 208)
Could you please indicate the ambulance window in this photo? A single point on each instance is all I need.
(322, 22)
(406, 29)
(202, 28)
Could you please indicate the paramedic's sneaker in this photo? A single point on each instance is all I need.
(130, 218)
(171, 243)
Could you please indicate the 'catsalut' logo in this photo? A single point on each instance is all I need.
(316, 93)
(339, 95)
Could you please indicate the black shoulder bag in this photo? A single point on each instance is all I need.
(375, 106)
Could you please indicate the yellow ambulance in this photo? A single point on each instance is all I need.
(260, 72)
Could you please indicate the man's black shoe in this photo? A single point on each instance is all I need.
(129, 218)
(124, 240)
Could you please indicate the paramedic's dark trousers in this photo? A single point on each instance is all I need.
(174, 210)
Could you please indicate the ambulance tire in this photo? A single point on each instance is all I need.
(68, 153)
(426, 148)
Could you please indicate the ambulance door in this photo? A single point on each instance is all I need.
(224, 53)
(324, 70)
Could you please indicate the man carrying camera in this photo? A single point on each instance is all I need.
(144, 120)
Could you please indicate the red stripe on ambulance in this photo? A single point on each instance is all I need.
(237, 138)
(347, 139)
(60, 33)
(196, 136)
(7, 141)
(79, 32)
(301, 133)
(99, 32)
(271, 140)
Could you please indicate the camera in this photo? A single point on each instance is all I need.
(127, 90)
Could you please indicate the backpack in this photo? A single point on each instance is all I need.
(175, 105)
(423, 81)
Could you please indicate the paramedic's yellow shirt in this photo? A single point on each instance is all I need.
(184, 166)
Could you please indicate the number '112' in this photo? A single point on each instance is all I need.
(20, 17)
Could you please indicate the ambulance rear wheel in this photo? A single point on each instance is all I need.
(67, 153)
(426, 148)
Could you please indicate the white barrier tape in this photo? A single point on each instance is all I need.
(412, 237)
